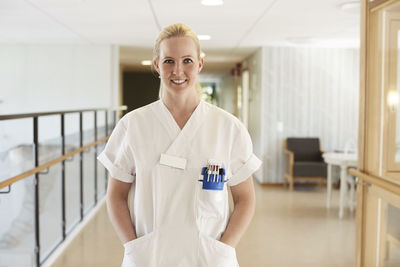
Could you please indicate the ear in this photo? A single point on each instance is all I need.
(201, 64)
(155, 63)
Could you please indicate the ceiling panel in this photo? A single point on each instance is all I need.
(22, 23)
(308, 19)
(237, 28)
(102, 21)
(225, 24)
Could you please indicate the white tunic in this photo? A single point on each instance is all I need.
(176, 221)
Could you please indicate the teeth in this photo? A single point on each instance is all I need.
(178, 81)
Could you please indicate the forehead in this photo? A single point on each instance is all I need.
(178, 46)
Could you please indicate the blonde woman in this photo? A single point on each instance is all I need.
(178, 156)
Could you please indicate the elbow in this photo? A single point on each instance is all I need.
(115, 198)
(253, 204)
(247, 203)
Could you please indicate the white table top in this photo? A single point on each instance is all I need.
(349, 159)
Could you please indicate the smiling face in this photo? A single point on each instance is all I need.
(178, 64)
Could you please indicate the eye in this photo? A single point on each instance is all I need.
(168, 61)
(188, 60)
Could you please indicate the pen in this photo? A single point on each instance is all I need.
(208, 173)
(215, 173)
(218, 168)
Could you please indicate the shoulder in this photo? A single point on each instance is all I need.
(224, 117)
(138, 115)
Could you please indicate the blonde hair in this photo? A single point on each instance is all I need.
(176, 30)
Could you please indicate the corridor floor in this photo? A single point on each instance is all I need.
(288, 229)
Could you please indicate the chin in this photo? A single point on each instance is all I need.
(183, 87)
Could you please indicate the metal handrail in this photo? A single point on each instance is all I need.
(40, 114)
(36, 171)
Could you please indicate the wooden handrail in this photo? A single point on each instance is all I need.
(49, 164)
(385, 184)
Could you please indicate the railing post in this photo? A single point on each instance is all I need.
(81, 163)
(63, 177)
(95, 157)
(106, 172)
(115, 118)
(36, 194)
(106, 116)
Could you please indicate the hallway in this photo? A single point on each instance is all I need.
(288, 229)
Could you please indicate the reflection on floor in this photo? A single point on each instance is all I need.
(288, 229)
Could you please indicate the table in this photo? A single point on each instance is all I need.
(344, 160)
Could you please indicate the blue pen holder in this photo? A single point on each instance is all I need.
(210, 184)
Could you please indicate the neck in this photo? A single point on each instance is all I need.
(181, 104)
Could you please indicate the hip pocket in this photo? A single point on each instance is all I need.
(138, 252)
(216, 253)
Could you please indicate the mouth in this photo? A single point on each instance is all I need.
(179, 82)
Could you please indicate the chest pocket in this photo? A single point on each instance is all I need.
(211, 203)
(212, 208)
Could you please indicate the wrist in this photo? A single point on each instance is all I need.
(228, 242)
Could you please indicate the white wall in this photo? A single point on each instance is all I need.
(310, 92)
(254, 65)
(38, 78)
(226, 93)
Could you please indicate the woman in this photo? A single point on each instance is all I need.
(159, 151)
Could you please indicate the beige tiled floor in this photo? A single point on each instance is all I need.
(289, 229)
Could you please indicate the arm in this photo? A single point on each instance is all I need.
(244, 204)
(118, 211)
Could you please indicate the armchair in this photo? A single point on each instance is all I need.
(305, 160)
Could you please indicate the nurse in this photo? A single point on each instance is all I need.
(156, 156)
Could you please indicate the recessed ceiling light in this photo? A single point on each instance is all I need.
(301, 40)
(212, 2)
(146, 62)
(204, 37)
(351, 5)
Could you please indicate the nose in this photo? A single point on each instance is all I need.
(178, 68)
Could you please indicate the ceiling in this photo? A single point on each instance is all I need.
(237, 28)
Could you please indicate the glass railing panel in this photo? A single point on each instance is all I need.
(88, 127)
(72, 193)
(111, 119)
(71, 131)
(16, 138)
(101, 174)
(49, 130)
(101, 123)
(72, 178)
(50, 206)
(88, 181)
(17, 239)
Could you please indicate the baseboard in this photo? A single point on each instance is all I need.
(272, 184)
(296, 183)
(54, 256)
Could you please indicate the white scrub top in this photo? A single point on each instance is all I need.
(176, 221)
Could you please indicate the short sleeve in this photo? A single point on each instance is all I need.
(117, 157)
(243, 162)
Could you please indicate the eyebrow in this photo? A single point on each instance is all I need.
(181, 57)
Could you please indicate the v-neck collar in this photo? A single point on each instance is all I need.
(173, 121)
(179, 136)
